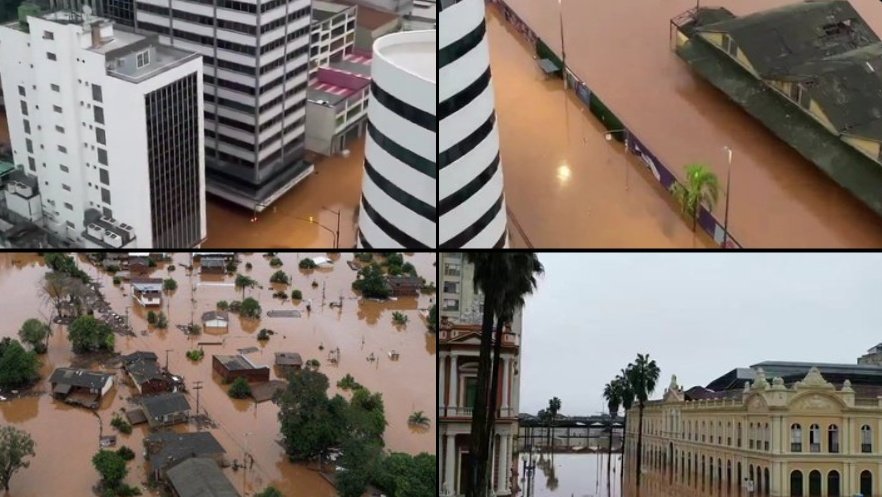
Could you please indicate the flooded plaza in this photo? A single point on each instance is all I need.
(66, 437)
(592, 192)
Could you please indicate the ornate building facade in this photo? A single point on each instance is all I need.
(773, 437)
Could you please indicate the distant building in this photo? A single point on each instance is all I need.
(337, 103)
(166, 409)
(332, 33)
(399, 190)
(396, 7)
(458, 300)
(165, 449)
(404, 286)
(80, 386)
(147, 291)
(423, 16)
(199, 477)
(230, 367)
(108, 124)
(372, 23)
(146, 375)
(212, 265)
(288, 362)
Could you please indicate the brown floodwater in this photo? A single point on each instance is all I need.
(67, 436)
(622, 52)
(335, 185)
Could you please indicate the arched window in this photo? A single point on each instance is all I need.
(795, 438)
(833, 439)
(766, 438)
(766, 481)
(750, 436)
(719, 433)
(739, 438)
(814, 438)
(719, 474)
(866, 439)
(833, 484)
(729, 434)
(703, 431)
(866, 484)
(750, 476)
(796, 484)
(815, 484)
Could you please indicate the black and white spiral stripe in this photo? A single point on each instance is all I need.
(471, 200)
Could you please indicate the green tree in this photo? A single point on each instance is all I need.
(403, 475)
(366, 417)
(111, 466)
(15, 447)
(223, 305)
(250, 308)
(627, 403)
(296, 295)
(360, 463)
(612, 393)
(88, 334)
(18, 367)
(126, 453)
(642, 376)
(553, 409)
(311, 423)
(280, 277)
(371, 282)
(151, 318)
(63, 263)
(161, 321)
(432, 322)
(34, 333)
(409, 269)
(348, 383)
(243, 282)
(417, 418)
(307, 263)
(270, 492)
(276, 262)
(240, 388)
(701, 188)
(504, 278)
(169, 285)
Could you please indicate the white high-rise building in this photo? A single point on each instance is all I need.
(399, 187)
(256, 56)
(106, 128)
(472, 203)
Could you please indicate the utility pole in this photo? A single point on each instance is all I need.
(166, 357)
(197, 385)
(323, 293)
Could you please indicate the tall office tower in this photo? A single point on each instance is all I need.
(472, 203)
(106, 131)
(256, 56)
(399, 187)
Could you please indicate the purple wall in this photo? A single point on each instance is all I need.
(342, 79)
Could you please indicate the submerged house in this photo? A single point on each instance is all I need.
(165, 449)
(404, 286)
(230, 367)
(147, 291)
(166, 409)
(216, 321)
(819, 57)
(212, 265)
(146, 375)
(80, 386)
(288, 362)
(199, 477)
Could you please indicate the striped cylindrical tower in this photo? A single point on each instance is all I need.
(472, 204)
(399, 187)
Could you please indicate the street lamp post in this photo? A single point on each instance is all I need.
(313, 220)
(608, 135)
(337, 235)
(728, 183)
(563, 50)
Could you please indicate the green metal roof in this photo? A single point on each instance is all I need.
(6, 168)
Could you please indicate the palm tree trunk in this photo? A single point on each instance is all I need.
(639, 443)
(609, 449)
(624, 445)
(494, 389)
(479, 437)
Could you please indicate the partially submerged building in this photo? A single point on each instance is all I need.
(818, 58)
(230, 367)
(212, 265)
(166, 409)
(146, 375)
(199, 477)
(404, 286)
(288, 362)
(80, 386)
(147, 291)
(166, 449)
(216, 321)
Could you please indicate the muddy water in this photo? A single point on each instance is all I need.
(335, 185)
(67, 437)
(622, 51)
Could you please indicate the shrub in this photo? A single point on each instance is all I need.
(364, 256)
(313, 364)
(399, 318)
(112, 269)
(151, 318)
(249, 308)
(263, 334)
(223, 305)
(275, 262)
(296, 295)
(307, 263)
(161, 321)
(126, 453)
(280, 277)
(409, 269)
(314, 284)
(169, 285)
(248, 266)
(280, 294)
(231, 267)
(270, 492)
(194, 329)
(195, 354)
(348, 383)
(171, 267)
(121, 424)
(126, 490)
(240, 389)
(371, 282)
(116, 280)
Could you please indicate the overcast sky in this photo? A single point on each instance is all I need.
(698, 315)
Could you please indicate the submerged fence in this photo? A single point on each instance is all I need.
(610, 121)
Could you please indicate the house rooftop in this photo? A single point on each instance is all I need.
(168, 448)
(215, 315)
(144, 371)
(161, 405)
(200, 477)
(82, 378)
(139, 356)
(288, 359)
(237, 362)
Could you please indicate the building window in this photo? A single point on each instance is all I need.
(833, 439)
(451, 287)
(59, 129)
(750, 434)
(65, 187)
(96, 93)
(21, 91)
(47, 35)
(24, 108)
(796, 483)
(104, 176)
(27, 126)
(102, 156)
(50, 56)
(100, 137)
(56, 109)
(68, 206)
(795, 438)
(71, 225)
(64, 168)
(62, 149)
(29, 145)
(105, 195)
(32, 164)
(815, 438)
(99, 114)
(451, 269)
(766, 437)
(451, 305)
(55, 88)
(143, 59)
(866, 439)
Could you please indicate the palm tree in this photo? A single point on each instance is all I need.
(243, 282)
(642, 375)
(701, 188)
(553, 409)
(612, 392)
(627, 403)
(503, 279)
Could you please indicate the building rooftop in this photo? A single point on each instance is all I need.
(288, 359)
(168, 448)
(139, 356)
(412, 51)
(161, 405)
(144, 371)
(215, 315)
(368, 17)
(237, 362)
(200, 477)
(340, 80)
(79, 378)
(324, 10)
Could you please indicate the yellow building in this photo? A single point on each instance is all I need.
(772, 436)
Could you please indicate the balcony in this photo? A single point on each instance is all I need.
(509, 339)
(466, 412)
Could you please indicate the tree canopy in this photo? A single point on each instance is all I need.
(88, 334)
(371, 282)
(15, 447)
(111, 466)
(250, 308)
(18, 367)
(34, 333)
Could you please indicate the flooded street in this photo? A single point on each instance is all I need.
(622, 52)
(336, 185)
(67, 437)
